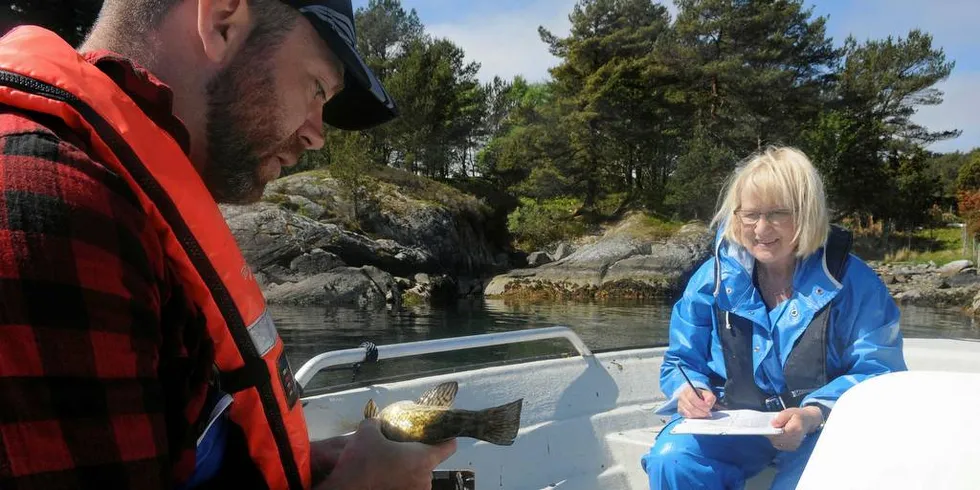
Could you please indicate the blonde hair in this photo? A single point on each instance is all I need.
(782, 176)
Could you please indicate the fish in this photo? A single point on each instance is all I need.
(431, 419)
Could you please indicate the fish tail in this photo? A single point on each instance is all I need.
(498, 425)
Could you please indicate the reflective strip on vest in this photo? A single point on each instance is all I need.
(264, 334)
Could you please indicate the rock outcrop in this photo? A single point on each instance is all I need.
(626, 262)
(952, 285)
(299, 243)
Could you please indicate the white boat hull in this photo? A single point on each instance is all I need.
(586, 420)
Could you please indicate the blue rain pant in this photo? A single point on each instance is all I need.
(685, 461)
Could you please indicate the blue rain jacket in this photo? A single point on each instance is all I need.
(864, 337)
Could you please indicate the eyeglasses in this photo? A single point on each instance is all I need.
(776, 217)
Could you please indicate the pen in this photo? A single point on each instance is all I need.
(696, 391)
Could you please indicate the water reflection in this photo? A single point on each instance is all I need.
(308, 331)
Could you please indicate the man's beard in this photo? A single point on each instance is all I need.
(242, 127)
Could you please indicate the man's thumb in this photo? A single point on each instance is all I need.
(369, 425)
(445, 449)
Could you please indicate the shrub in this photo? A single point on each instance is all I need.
(535, 224)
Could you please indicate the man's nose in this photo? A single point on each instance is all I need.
(311, 133)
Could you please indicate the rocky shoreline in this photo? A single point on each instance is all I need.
(629, 261)
(302, 253)
(954, 285)
(409, 251)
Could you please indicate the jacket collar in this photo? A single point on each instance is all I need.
(153, 97)
(813, 284)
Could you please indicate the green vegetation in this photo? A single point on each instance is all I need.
(410, 299)
(346, 157)
(650, 227)
(646, 112)
(650, 113)
(938, 245)
(535, 224)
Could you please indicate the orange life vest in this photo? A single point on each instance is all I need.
(40, 72)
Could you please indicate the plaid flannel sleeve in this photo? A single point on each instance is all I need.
(81, 405)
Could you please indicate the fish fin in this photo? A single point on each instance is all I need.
(441, 395)
(370, 409)
(499, 425)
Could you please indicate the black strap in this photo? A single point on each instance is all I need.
(254, 373)
(838, 247)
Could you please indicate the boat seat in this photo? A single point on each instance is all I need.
(627, 447)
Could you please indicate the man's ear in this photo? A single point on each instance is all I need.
(223, 26)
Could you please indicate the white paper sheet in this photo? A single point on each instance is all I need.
(730, 422)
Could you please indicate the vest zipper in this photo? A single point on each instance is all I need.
(30, 85)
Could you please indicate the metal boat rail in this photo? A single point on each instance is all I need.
(411, 349)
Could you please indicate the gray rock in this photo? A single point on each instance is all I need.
(563, 250)
(268, 234)
(910, 296)
(954, 267)
(315, 262)
(618, 258)
(358, 250)
(277, 274)
(315, 188)
(307, 207)
(435, 290)
(455, 240)
(295, 235)
(364, 287)
(469, 287)
(538, 259)
(966, 277)
(262, 280)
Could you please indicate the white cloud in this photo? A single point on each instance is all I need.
(960, 110)
(508, 44)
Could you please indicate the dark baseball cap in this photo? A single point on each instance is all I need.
(364, 102)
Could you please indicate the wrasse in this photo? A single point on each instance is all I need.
(431, 419)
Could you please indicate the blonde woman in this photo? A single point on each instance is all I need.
(782, 318)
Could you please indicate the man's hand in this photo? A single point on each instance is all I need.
(369, 460)
(796, 423)
(692, 407)
(324, 455)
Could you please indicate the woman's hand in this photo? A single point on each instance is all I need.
(796, 423)
(692, 407)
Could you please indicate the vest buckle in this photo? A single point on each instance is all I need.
(775, 404)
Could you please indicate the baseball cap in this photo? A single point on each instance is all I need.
(363, 103)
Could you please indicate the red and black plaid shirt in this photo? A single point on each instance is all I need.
(102, 361)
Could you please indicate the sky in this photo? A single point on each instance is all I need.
(502, 36)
